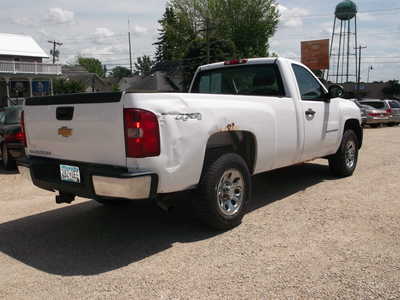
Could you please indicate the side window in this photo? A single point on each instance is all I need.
(255, 80)
(310, 88)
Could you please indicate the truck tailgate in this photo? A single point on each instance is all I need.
(78, 127)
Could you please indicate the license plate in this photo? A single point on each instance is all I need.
(70, 174)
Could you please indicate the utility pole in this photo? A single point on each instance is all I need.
(360, 48)
(130, 45)
(54, 51)
(93, 82)
(208, 39)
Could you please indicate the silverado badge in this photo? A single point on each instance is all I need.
(65, 131)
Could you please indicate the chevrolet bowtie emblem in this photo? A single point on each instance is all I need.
(65, 131)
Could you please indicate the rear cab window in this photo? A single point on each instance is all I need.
(256, 80)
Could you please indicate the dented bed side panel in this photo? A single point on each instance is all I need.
(187, 121)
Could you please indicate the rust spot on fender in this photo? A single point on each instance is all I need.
(230, 127)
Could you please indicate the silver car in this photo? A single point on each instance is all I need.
(363, 110)
(393, 107)
(377, 112)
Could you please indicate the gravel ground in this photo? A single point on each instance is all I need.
(308, 235)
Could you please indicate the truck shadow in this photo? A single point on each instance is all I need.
(88, 239)
(5, 172)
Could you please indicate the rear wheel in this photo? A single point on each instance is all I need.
(8, 162)
(375, 125)
(224, 192)
(392, 124)
(344, 162)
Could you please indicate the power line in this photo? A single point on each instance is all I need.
(376, 11)
(93, 37)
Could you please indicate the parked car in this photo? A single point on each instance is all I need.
(240, 118)
(393, 107)
(378, 112)
(11, 137)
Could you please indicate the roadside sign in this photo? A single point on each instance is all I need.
(315, 54)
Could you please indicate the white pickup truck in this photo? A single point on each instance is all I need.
(240, 118)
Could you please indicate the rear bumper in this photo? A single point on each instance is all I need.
(97, 181)
(16, 150)
(377, 120)
(395, 118)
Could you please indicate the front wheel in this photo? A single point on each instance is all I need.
(225, 191)
(344, 162)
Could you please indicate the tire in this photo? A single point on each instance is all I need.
(224, 192)
(344, 162)
(375, 125)
(8, 162)
(391, 124)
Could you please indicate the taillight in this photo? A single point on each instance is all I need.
(142, 135)
(22, 133)
(15, 137)
(235, 62)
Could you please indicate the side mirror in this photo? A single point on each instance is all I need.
(335, 91)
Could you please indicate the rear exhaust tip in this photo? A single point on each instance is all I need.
(64, 198)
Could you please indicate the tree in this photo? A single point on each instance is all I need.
(143, 65)
(247, 23)
(196, 55)
(120, 72)
(392, 90)
(195, 32)
(92, 65)
(66, 86)
(170, 44)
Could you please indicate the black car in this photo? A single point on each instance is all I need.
(11, 137)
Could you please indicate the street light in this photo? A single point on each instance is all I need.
(370, 68)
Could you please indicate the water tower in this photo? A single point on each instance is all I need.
(343, 54)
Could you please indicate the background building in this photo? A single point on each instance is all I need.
(22, 71)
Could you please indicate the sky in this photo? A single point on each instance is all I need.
(98, 28)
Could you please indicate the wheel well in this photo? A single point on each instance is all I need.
(354, 125)
(240, 142)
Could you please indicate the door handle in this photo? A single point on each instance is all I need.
(310, 112)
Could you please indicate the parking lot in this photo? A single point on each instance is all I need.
(308, 235)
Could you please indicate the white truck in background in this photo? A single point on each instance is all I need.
(240, 118)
